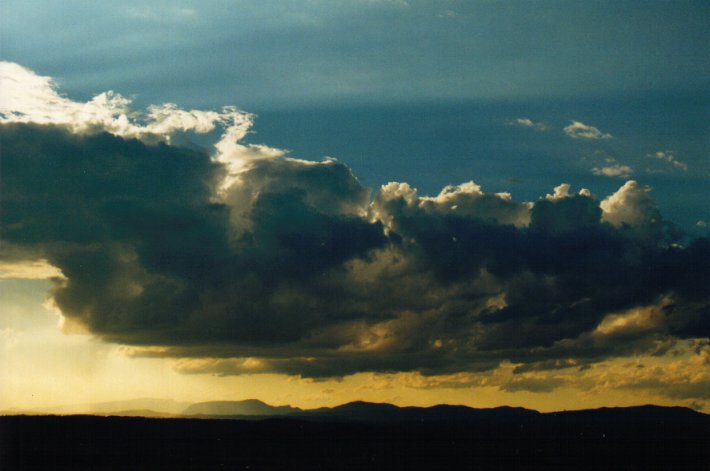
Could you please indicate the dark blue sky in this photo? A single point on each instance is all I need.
(426, 92)
(276, 53)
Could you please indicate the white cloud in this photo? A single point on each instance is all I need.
(578, 130)
(562, 191)
(528, 123)
(26, 97)
(465, 200)
(631, 205)
(618, 170)
(669, 157)
(30, 98)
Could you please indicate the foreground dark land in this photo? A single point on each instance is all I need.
(629, 438)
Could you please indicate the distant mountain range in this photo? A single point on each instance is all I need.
(359, 411)
(144, 407)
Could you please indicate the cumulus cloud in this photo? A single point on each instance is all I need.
(248, 260)
(30, 98)
(631, 205)
(529, 123)
(578, 130)
(614, 171)
(669, 157)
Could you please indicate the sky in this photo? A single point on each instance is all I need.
(307, 202)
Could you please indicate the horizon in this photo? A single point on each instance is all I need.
(139, 407)
(403, 202)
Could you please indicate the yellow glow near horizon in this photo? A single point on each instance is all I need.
(43, 368)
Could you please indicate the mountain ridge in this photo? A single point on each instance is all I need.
(247, 407)
(363, 411)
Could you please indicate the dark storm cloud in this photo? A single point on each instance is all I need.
(147, 251)
(293, 268)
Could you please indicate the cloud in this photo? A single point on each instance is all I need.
(633, 321)
(446, 14)
(528, 123)
(669, 157)
(29, 270)
(30, 98)
(682, 376)
(245, 260)
(578, 130)
(686, 378)
(631, 205)
(616, 171)
(532, 384)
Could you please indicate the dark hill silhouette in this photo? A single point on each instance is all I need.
(358, 410)
(249, 407)
(382, 412)
(360, 435)
(351, 437)
(147, 413)
(361, 411)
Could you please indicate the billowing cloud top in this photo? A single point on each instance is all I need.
(30, 98)
(248, 260)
